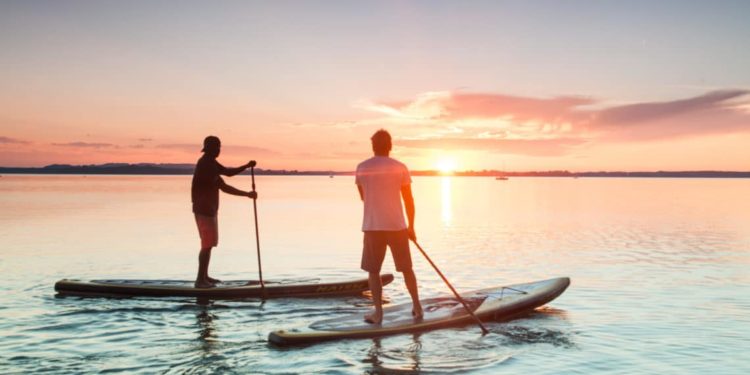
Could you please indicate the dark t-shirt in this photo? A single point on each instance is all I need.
(205, 188)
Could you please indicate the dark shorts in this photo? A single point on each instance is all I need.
(373, 252)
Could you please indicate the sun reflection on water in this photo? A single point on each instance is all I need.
(446, 201)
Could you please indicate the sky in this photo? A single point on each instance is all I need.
(467, 85)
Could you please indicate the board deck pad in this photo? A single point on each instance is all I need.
(491, 303)
(299, 287)
(435, 309)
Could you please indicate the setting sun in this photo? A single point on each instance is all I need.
(446, 165)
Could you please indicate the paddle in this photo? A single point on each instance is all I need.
(458, 297)
(257, 237)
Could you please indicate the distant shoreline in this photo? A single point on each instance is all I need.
(187, 169)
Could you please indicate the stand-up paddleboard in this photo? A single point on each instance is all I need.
(493, 303)
(224, 290)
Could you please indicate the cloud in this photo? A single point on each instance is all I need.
(455, 106)
(334, 155)
(552, 126)
(8, 140)
(531, 147)
(195, 148)
(641, 113)
(716, 112)
(349, 124)
(515, 108)
(79, 144)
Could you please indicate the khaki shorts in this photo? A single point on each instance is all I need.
(208, 229)
(373, 252)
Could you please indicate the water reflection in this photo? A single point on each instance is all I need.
(207, 331)
(629, 255)
(410, 358)
(446, 201)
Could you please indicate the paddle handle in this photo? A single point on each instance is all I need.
(455, 293)
(257, 237)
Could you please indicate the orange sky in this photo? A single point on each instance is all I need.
(470, 131)
(304, 86)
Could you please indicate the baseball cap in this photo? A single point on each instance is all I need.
(210, 142)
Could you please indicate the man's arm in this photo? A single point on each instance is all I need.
(234, 191)
(229, 172)
(361, 192)
(409, 206)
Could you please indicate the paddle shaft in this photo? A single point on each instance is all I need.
(479, 322)
(257, 237)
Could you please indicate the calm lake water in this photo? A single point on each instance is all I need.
(659, 269)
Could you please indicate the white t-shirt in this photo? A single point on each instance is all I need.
(381, 179)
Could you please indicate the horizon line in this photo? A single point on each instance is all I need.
(185, 168)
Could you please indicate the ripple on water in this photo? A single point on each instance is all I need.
(659, 286)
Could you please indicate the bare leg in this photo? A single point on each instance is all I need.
(209, 278)
(376, 288)
(204, 258)
(411, 285)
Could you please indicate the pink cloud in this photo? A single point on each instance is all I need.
(458, 105)
(196, 148)
(79, 144)
(514, 107)
(711, 113)
(641, 113)
(9, 140)
(531, 147)
(551, 126)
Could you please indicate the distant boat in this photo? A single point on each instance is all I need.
(331, 176)
(501, 178)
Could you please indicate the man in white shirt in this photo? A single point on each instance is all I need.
(382, 182)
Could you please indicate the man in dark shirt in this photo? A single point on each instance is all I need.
(207, 182)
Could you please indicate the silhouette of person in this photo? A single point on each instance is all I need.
(205, 188)
(382, 182)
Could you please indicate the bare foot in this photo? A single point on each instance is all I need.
(417, 312)
(374, 317)
(204, 284)
(213, 281)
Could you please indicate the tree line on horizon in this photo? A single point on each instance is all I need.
(187, 169)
